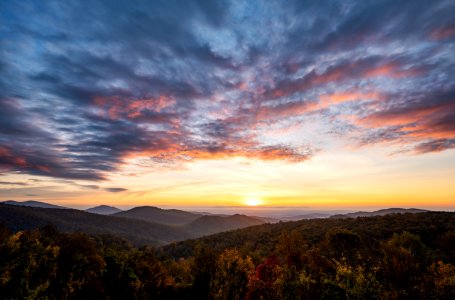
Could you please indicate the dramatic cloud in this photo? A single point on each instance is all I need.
(86, 87)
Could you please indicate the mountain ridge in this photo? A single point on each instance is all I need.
(138, 232)
(206, 225)
(159, 215)
(104, 210)
(33, 203)
(380, 212)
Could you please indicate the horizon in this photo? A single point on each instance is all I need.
(254, 106)
(260, 210)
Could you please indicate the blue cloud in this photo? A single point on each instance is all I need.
(85, 84)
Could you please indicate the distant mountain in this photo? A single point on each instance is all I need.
(134, 225)
(307, 216)
(267, 219)
(103, 210)
(207, 225)
(381, 212)
(138, 232)
(32, 203)
(159, 215)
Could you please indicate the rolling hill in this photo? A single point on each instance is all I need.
(381, 212)
(159, 215)
(103, 210)
(32, 203)
(207, 225)
(139, 232)
(135, 226)
(195, 223)
(264, 238)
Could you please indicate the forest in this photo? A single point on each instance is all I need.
(398, 256)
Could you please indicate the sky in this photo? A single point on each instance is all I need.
(315, 104)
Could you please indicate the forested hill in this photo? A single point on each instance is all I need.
(141, 226)
(159, 215)
(400, 256)
(262, 240)
(207, 225)
(139, 232)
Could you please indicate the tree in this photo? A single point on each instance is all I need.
(291, 245)
(80, 268)
(231, 278)
(262, 282)
(443, 276)
(403, 261)
(27, 266)
(205, 263)
(342, 243)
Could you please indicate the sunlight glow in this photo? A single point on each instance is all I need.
(250, 201)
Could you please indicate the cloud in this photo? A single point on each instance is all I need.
(345, 70)
(426, 120)
(115, 190)
(13, 183)
(82, 93)
(435, 146)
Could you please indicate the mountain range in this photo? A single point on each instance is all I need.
(381, 212)
(141, 225)
(138, 232)
(146, 224)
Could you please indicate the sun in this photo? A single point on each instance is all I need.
(251, 201)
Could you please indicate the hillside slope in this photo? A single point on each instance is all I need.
(264, 238)
(138, 232)
(159, 215)
(207, 225)
(381, 212)
(103, 210)
(31, 203)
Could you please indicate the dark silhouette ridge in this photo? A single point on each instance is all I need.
(103, 210)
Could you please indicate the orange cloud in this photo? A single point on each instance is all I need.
(405, 116)
(392, 70)
(346, 71)
(135, 107)
(336, 98)
(116, 106)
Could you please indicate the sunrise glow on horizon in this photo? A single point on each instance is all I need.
(255, 104)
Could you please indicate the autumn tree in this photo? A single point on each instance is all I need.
(231, 278)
